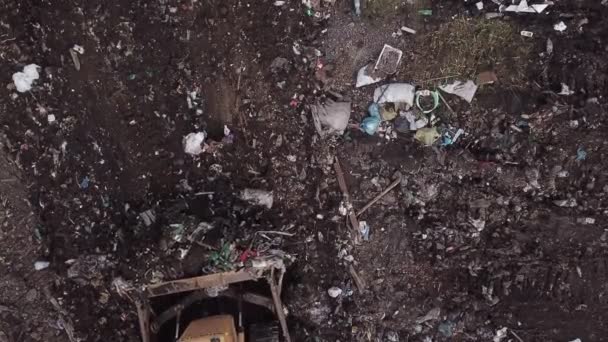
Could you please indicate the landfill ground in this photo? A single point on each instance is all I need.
(499, 236)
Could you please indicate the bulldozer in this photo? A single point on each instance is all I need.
(182, 302)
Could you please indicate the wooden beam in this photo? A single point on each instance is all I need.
(197, 283)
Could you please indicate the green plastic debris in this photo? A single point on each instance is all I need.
(309, 12)
(427, 135)
(434, 95)
(425, 12)
(222, 259)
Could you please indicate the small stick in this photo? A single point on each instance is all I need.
(351, 215)
(237, 101)
(439, 78)
(516, 336)
(380, 195)
(276, 298)
(446, 103)
(274, 232)
(358, 281)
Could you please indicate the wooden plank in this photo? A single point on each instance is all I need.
(197, 283)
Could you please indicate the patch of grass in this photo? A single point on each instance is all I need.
(465, 47)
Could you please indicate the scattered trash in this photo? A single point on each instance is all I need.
(228, 136)
(50, 118)
(486, 77)
(416, 122)
(549, 46)
(371, 123)
(448, 138)
(388, 112)
(23, 79)
(581, 154)
(334, 291)
(364, 229)
(425, 12)
(389, 60)
(479, 5)
(581, 23)
(357, 4)
(395, 92)
(258, 197)
(560, 27)
(279, 3)
(193, 143)
(427, 135)
(84, 183)
(432, 315)
(585, 220)
(565, 90)
(523, 7)
(434, 95)
(500, 335)
(465, 90)
(331, 117)
(408, 30)
(567, 203)
(40, 265)
(527, 34)
(74, 52)
(148, 216)
(366, 76)
(392, 336)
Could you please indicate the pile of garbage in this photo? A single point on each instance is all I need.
(400, 108)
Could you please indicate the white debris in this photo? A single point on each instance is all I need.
(331, 117)
(478, 224)
(560, 27)
(366, 76)
(432, 315)
(408, 30)
(23, 80)
(576, 340)
(193, 143)
(527, 34)
(50, 118)
(279, 3)
(465, 90)
(40, 265)
(258, 197)
(334, 291)
(565, 90)
(567, 203)
(78, 49)
(395, 92)
(500, 335)
(479, 5)
(415, 122)
(585, 220)
(549, 46)
(523, 7)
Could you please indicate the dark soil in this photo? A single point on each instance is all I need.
(478, 234)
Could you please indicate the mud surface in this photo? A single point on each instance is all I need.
(504, 229)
